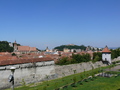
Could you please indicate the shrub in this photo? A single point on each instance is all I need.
(13, 54)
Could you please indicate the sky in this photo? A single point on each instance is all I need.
(42, 23)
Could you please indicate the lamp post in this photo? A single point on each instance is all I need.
(13, 70)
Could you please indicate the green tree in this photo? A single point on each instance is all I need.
(60, 48)
(97, 56)
(4, 47)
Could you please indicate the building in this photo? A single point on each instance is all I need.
(15, 46)
(10, 44)
(23, 49)
(106, 55)
(66, 50)
(26, 49)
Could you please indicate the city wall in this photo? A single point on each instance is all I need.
(36, 72)
(28, 73)
(66, 70)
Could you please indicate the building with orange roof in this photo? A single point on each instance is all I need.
(24, 49)
(106, 55)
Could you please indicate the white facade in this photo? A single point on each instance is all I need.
(106, 57)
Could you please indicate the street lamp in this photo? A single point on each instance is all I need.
(12, 76)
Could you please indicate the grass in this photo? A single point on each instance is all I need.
(112, 72)
(95, 84)
(101, 83)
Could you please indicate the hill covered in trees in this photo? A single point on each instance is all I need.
(4, 47)
(60, 48)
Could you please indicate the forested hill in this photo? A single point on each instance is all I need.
(60, 48)
(4, 47)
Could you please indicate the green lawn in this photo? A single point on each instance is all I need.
(101, 83)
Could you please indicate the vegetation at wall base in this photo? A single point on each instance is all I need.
(115, 53)
(78, 58)
(97, 56)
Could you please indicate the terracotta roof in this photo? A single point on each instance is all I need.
(7, 57)
(21, 61)
(106, 49)
(26, 48)
(4, 53)
(32, 49)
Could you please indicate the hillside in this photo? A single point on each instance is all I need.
(60, 48)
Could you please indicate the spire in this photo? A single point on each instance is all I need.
(15, 41)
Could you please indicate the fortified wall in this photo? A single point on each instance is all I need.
(66, 70)
(38, 71)
(28, 72)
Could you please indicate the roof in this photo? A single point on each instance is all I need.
(22, 61)
(26, 48)
(32, 49)
(106, 49)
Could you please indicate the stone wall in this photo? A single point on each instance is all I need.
(66, 70)
(36, 72)
(29, 73)
(116, 59)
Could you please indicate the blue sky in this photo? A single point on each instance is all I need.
(42, 23)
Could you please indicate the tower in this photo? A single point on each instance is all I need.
(47, 49)
(106, 55)
(15, 46)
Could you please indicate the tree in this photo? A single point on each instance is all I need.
(4, 47)
(115, 53)
(60, 48)
(97, 56)
(13, 54)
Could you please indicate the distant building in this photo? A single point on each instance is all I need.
(66, 50)
(24, 49)
(106, 55)
(15, 46)
(76, 50)
(47, 49)
(70, 45)
(10, 44)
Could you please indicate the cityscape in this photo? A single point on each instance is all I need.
(59, 45)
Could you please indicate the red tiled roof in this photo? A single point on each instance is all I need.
(7, 57)
(32, 49)
(26, 48)
(23, 48)
(106, 49)
(21, 61)
(4, 53)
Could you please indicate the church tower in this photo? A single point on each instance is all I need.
(47, 49)
(106, 55)
(15, 46)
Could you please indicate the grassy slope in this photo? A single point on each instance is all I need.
(100, 83)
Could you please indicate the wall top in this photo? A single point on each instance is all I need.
(22, 61)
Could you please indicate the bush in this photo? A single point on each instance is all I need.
(13, 54)
(76, 58)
